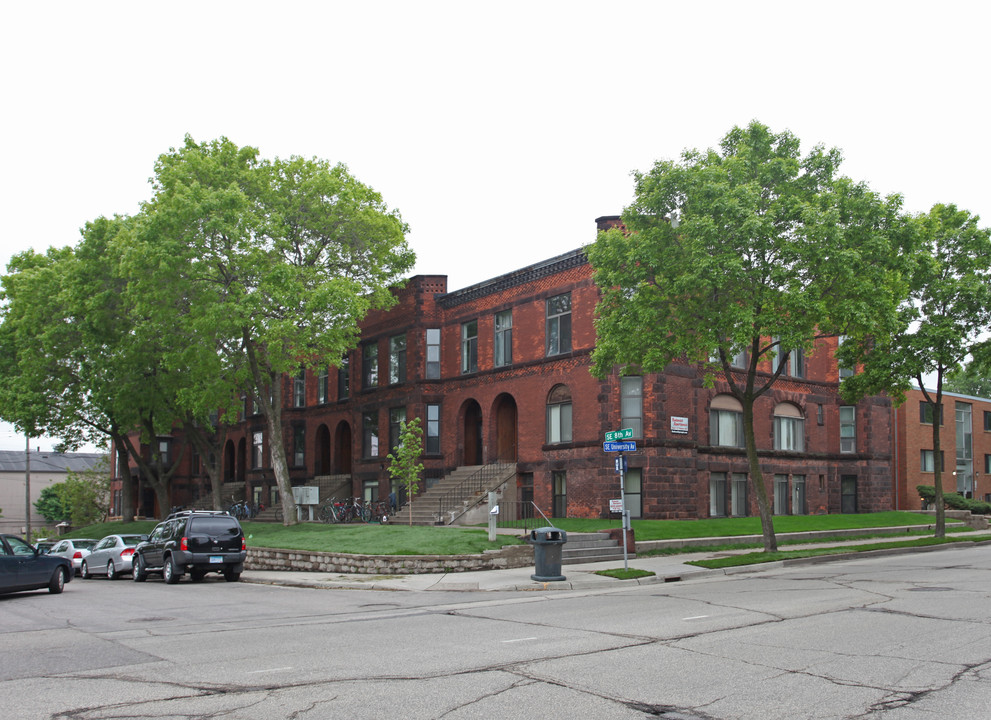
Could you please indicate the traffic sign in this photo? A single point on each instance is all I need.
(619, 446)
(624, 434)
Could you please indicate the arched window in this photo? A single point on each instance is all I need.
(726, 421)
(789, 428)
(559, 415)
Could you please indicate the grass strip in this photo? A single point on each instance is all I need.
(758, 558)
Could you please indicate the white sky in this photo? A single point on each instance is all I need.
(500, 133)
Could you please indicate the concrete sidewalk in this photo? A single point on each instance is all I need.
(669, 568)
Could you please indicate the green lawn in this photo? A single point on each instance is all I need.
(731, 527)
(405, 540)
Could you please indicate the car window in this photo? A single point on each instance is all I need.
(84, 544)
(4, 550)
(20, 547)
(214, 526)
(131, 540)
(104, 543)
(59, 547)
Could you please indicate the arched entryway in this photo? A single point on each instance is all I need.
(472, 434)
(506, 429)
(242, 459)
(342, 449)
(322, 466)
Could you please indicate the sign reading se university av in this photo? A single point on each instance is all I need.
(619, 446)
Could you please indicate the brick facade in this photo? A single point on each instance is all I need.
(914, 436)
(501, 413)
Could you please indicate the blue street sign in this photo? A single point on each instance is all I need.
(619, 446)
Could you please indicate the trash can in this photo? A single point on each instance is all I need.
(547, 544)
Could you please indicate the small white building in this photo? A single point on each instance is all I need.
(46, 468)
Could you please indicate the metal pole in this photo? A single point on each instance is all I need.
(27, 488)
(621, 462)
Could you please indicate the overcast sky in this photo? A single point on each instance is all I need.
(500, 133)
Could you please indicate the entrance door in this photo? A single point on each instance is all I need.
(473, 434)
(342, 450)
(848, 494)
(506, 429)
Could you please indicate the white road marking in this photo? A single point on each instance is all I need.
(695, 617)
(519, 640)
(255, 672)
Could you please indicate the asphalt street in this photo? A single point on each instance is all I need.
(898, 637)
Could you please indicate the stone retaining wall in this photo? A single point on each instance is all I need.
(511, 556)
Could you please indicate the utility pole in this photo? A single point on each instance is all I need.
(27, 488)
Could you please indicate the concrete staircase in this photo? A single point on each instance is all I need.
(425, 508)
(592, 547)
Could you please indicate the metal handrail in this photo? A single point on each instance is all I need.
(478, 482)
(520, 514)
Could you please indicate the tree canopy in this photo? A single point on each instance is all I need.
(944, 319)
(752, 248)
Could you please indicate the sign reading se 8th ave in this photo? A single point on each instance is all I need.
(624, 434)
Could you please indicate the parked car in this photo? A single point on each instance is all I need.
(76, 550)
(24, 567)
(111, 556)
(193, 541)
(43, 545)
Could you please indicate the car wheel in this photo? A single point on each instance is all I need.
(231, 576)
(111, 571)
(84, 571)
(57, 583)
(138, 573)
(169, 572)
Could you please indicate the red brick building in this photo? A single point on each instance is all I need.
(499, 371)
(965, 443)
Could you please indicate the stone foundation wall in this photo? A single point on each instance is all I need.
(512, 556)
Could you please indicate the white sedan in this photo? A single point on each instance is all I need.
(75, 550)
(111, 556)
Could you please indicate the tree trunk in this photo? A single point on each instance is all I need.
(937, 415)
(757, 478)
(127, 507)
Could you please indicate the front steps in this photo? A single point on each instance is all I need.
(592, 547)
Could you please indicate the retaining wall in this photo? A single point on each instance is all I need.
(511, 556)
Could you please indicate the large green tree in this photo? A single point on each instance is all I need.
(944, 319)
(752, 248)
(970, 380)
(263, 266)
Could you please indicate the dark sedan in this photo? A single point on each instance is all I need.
(22, 567)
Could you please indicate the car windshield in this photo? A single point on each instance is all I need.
(132, 540)
(83, 544)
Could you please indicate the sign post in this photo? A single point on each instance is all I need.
(611, 445)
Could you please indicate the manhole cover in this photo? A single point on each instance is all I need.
(151, 619)
(930, 589)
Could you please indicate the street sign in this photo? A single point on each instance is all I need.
(624, 434)
(616, 506)
(621, 465)
(619, 446)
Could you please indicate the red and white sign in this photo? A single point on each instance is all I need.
(679, 425)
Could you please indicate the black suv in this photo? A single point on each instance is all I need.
(193, 541)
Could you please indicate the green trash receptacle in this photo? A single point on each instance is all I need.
(547, 545)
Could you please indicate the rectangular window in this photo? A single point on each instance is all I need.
(344, 378)
(780, 494)
(370, 491)
(397, 360)
(163, 453)
(926, 413)
(257, 448)
(631, 404)
(798, 494)
(845, 372)
(299, 389)
(369, 366)
(796, 363)
(789, 433)
(559, 423)
(726, 428)
(987, 420)
(370, 434)
(559, 493)
(397, 416)
(559, 324)
(633, 492)
(299, 446)
(469, 347)
(323, 385)
(987, 464)
(433, 353)
(738, 496)
(503, 346)
(740, 360)
(432, 434)
(717, 494)
(848, 429)
(927, 461)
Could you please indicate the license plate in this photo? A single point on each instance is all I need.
(216, 559)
